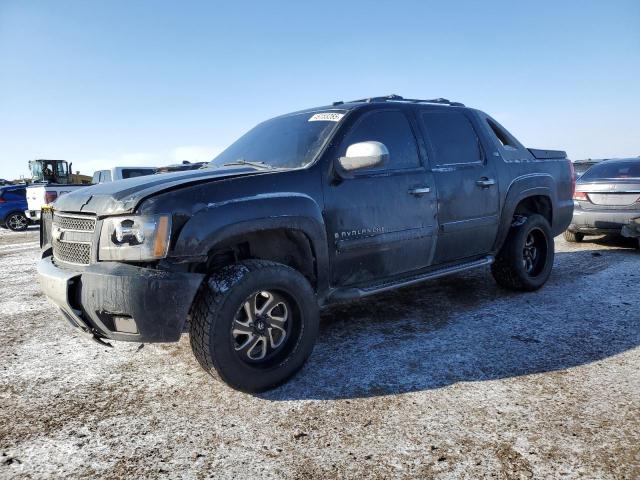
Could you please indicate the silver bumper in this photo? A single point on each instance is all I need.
(601, 220)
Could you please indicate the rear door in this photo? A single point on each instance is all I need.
(381, 222)
(468, 196)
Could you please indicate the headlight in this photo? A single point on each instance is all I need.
(135, 238)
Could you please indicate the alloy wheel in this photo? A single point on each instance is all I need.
(17, 222)
(534, 252)
(262, 326)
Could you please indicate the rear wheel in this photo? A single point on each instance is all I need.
(526, 258)
(573, 237)
(254, 324)
(17, 222)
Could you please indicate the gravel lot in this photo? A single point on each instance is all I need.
(454, 378)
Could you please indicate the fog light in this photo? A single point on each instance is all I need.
(125, 324)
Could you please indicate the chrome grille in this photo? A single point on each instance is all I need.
(75, 223)
(79, 253)
(71, 238)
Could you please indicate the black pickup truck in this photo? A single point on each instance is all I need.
(320, 206)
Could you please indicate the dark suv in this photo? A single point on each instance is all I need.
(320, 206)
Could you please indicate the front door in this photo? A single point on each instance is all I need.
(381, 222)
(468, 195)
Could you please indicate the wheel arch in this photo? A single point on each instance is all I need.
(287, 229)
(535, 193)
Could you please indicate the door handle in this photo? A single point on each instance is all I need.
(418, 191)
(485, 182)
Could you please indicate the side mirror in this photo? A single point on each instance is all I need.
(363, 155)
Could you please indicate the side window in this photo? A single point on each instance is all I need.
(96, 177)
(392, 128)
(105, 176)
(452, 138)
(506, 140)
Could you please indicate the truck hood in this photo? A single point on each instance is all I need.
(123, 196)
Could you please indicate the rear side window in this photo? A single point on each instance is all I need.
(14, 195)
(136, 172)
(392, 128)
(452, 138)
(105, 176)
(506, 140)
(612, 170)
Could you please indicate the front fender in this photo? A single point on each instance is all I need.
(220, 221)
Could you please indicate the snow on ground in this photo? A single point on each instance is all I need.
(453, 378)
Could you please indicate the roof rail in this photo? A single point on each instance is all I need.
(398, 98)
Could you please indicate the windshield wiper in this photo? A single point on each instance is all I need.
(242, 161)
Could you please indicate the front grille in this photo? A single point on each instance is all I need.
(75, 223)
(71, 238)
(79, 253)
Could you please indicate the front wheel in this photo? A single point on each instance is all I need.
(525, 261)
(254, 324)
(17, 222)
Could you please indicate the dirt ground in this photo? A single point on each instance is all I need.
(455, 378)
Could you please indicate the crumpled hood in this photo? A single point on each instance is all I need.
(123, 196)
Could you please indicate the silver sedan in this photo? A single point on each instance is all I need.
(606, 200)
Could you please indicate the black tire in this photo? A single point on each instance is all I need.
(514, 268)
(17, 222)
(573, 237)
(215, 319)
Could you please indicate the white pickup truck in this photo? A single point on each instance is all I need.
(120, 173)
(51, 178)
(40, 194)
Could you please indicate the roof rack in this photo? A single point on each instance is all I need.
(398, 98)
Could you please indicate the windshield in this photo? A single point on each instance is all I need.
(612, 170)
(292, 141)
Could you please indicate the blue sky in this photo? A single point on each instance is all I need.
(151, 82)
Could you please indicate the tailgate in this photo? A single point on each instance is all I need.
(547, 154)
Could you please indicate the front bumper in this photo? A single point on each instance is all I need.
(601, 221)
(120, 301)
(33, 215)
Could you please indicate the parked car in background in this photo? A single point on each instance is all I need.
(120, 173)
(51, 178)
(607, 198)
(581, 166)
(307, 209)
(13, 203)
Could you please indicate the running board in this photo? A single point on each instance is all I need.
(345, 294)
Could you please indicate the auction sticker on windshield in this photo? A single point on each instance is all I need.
(326, 117)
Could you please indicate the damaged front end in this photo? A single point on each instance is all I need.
(133, 301)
